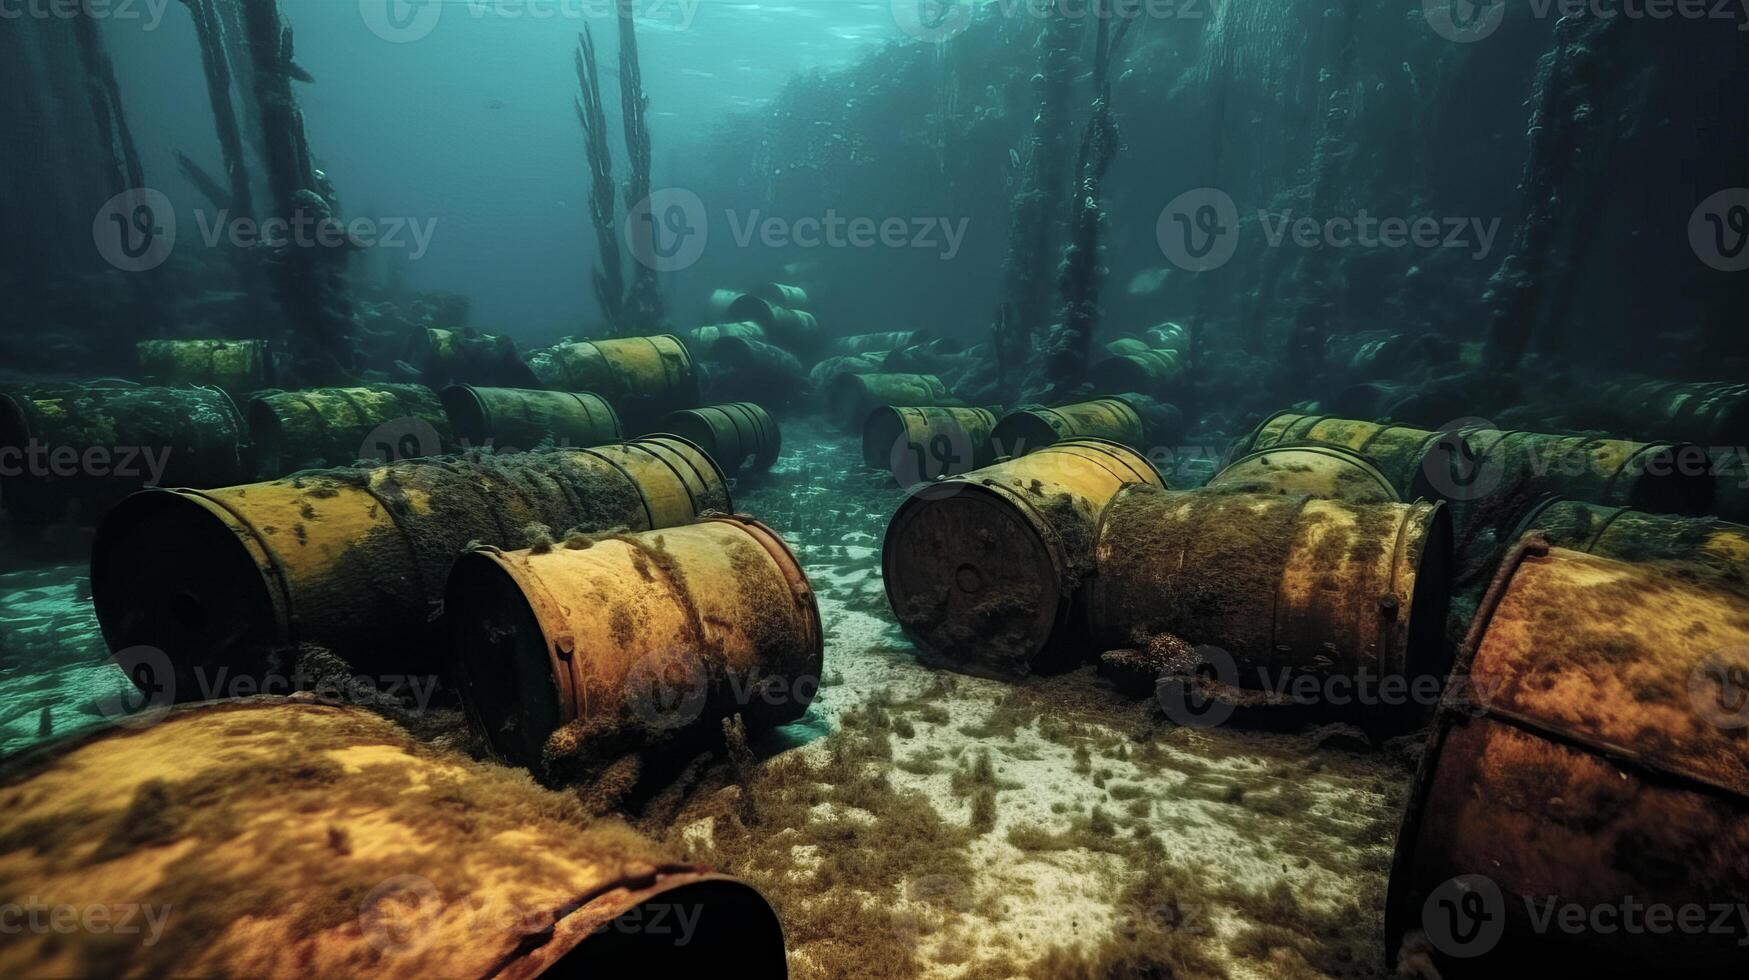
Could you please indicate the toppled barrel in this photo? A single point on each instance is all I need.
(238, 366)
(1662, 477)
(467, 357)
(1310, 470)
(920, 445)
(78, 450)
(276, 837)
(825, 372)
(1284, 587)
(1635, 536)
(982, 570)
(227, 582)
(1712, 413)
(702, 339)
(740, 436)
(865, 343)
(511, 419)
(1136, 421)
(851, 398)
(1592, 753)
(782, 294)
(755, 369)
(792, 329)
(295, 430)
(1155, 373)
(575, 656)
(644, 378)
(1419, 462)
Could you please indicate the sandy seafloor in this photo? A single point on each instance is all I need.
(1270, 848)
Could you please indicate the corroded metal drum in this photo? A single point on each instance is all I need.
(702, 339)
(467, 357)
(281, 837)
(315, 427)
(1028, 430)
(228, 581)
(865, 343)
(1285, 586)
(1155, 373)
(1593, 752)
(1635, 536)
(851, 398)
(756, 369)
(794, 330)
(512, 419)
(74, 451)
(644, 378)
(1662, 477)
(741, 436)
(1711, 413)
(782, 294)
(238, 366)
(823, 373)
(920, 445)
(571, 657)
(1310, 470)
(1419, 462)
(982, 570)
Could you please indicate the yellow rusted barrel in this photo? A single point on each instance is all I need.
(850, 398)
(740, 436)
(702, 339)
(315, 427)
(282, 837)
(644, 378)
(512, 419)
(1419, 462)
(467, 357)
(1661, 477)
(1712, 413)
(238, 366)
(70, 452)
(1155, 373)
(1594, 745)
(1310, 470)
(982, 570)
(224, 581)
(1631, 535)
(573, 657)
(921, 445)
(1028, 430)
(1286, 586)
(794, 330)
(865, 343)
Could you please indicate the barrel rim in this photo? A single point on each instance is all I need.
(801, 587)
(1356, 457)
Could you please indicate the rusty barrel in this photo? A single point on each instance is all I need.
(794, 330)
(315, 427)
(1286, 586)
(755, 369)
(1593, 750)
(864, 343)
(921, 445)
(1309, 470)
(850, 398)
(572, 657)
(644, 378)
(238, 366)
(354, 560)
(1635, 536)
(467, 357)
(1662, 477)
(1419, 462)
(283, 837)
(509, 419)
(702, 339)
(1028, 430)
(982, 570)
(1714, 413)
(1155, 373)
(740, 436)
(72, 451)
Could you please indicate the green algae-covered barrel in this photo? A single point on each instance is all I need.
(792, 329)
(238, 366)
(850, 398)
(644, 378)
(1712, 413)
(467, 357)
(759, 369)
(920, 445)
(509, 419)
(276, 837)
(1419, 462)
(1155, 373)
(1310, 470)
(786, 295)
(1662, 477)
(74, 451)
(825, 372)
(864, 343)
(1026, 430)
(741, 436)
(315, 427)
(354, 560)
(702, 339)
(982, 570)
(1636, 536)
